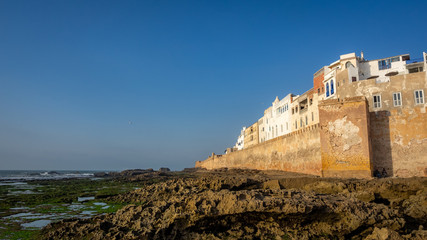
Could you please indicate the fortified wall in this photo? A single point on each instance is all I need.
(365, 117)
(398, 134)
(298, 151)
(399, 141)
(345, 143)
(337, 147)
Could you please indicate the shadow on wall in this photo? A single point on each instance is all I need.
(381, 143)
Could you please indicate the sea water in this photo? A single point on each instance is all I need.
(12, 176)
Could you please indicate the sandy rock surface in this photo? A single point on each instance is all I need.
(248, 204)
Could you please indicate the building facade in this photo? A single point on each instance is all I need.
(240, 144)
(393, 124)
(277, 118)
(251, 135)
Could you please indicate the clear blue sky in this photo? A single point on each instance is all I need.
(144, 84)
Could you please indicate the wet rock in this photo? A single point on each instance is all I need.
(100, 174)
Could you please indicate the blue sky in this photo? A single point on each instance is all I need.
(146, 84)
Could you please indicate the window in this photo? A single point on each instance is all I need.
(306, 120)
(296, 124)
(397, 99)
(281, 128)
(353, 79)
(300, 122)
(377, 101)
(395, 59)
(286, 126)
(327, 89)
(419, 96)
(384, 64)
(312, 116)
(330, 88)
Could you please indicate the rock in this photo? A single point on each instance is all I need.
(272, 184)
(247, 204)
(365, 196)
(383, 234)
(191, 169)
(164, 169)
(100, 174)
(416, 206)
(325, 187)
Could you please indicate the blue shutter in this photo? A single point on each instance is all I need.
(327, 89)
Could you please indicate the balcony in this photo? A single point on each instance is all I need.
(415, 60)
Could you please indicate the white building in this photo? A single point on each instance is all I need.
(382, 69)
(240, 140)
(276, 119)
(358, 69)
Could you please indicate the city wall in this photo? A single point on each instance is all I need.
(398, 134)
(349, 142)
(338, 146)
(399, 141)
(344, 136)
(298, 151)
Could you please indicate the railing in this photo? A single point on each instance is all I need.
(415, 60)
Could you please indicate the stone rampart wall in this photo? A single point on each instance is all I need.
(348, 142)
(399, 141)
(298, 151)
(345, 144)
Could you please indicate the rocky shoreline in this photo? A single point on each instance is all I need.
(250, 204)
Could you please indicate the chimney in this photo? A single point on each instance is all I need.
(361, 56)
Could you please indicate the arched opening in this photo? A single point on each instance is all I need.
(332, 87)
(348, 64)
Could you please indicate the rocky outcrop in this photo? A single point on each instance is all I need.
(248, 205)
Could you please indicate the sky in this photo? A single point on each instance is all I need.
(114, 85)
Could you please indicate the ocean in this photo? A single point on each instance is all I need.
(14, 175)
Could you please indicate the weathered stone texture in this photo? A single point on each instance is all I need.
(345, 146)
(353, 140)
(399, 142)
(398, 133)
(295, 152)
